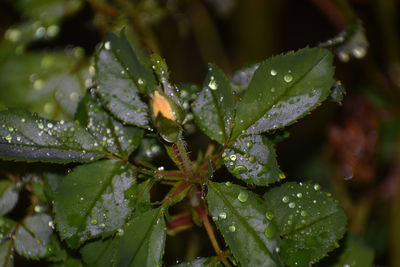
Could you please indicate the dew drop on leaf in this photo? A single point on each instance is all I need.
(288, 78)
(270, 231)
(269, 215)
(243, 196)
(273, 72)
(292, 205)
(222, 215)
(285, 199)
(232, 228)
(213, 83)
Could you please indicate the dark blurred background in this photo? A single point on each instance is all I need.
(352, 148)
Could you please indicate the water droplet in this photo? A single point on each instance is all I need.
(239, 169)
(120, 232)
(243, 196)
(102, 226)
(282, 175)
(252, 159)
(51, 225)
(317, 187)
(269, 215)
(140, 81)
(285, 199)
(249, 144)
(303, 213)
(228, 183)
(8, 138)
(232, 157)
(213, 83)
(22, 120)
(94, 222)
(288, 78)
(270, 231)
(107, 45)
(273, 72)
(359, 52)
(232, 228)
(38, 84)
(343, 56)
(222, 215)
(299, 195)
(292, 205)
(272, 90)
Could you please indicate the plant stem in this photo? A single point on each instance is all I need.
(200, 210)
(184, 158)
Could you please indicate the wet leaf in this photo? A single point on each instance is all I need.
(33, 236)
(310, 222)
(141, 243)
(6, 253)
(92, 201)
(240, 216)
(120, 76)
(241, 79)
(351, 42)
(109, 133)
(356, 253)
(28, 137)
(201, 262)
(8, 197)
(252, 158)
(283, 89)
(213, 109)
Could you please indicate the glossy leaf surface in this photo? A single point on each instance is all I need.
(310, 222)
(283, 89)
(8, 196)
(240, 216)
(109, 133)
(252, 159)
(33, 236)
(241, 79)
(92, 200)
(140, 243)
(120, 76)
(213, 109)
(28, 137)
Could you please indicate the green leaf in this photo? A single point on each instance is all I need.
(213, 109)
(99, 253)
(47, 83)
(241, 79)
(6, 254)
(356, 253)
(8, 197)
(91, 200)
(32, 236)
(28, 137)
(120, 76)
(51, 182)
(252, 159)
(283, 89)
(310, 222)
(201, 262)
(240, 216)
(7, 228)
(140, 243)
(110, 133)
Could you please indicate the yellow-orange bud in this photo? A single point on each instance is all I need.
(162, 105)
